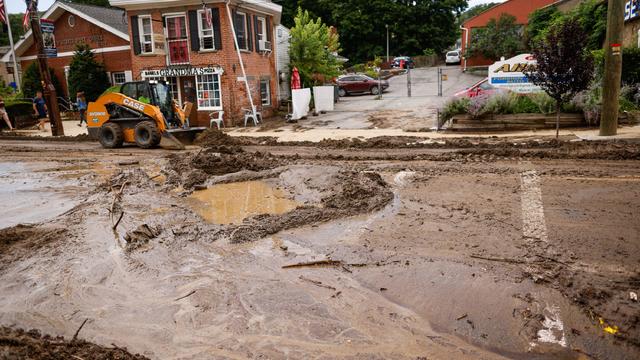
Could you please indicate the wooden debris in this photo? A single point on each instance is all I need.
(327, 262)
(316, 283)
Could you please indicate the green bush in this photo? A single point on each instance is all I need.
(630, 68)
(525, 105)
(31, 81)
(544, 102)
(428, 52)
(454, 107)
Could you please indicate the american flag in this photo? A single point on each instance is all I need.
(27, 18)
(3, 15)
(208, 16)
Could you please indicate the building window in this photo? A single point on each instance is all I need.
(177, 39)
(146, 34)
(261, 30)
(208, 92)
(240, 24)
(206, 32)
(265, 92)
(119, 78)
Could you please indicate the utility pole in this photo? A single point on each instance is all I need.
(387, 26)
(50, 95)
(612, 68)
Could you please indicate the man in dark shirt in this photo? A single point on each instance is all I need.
(40, 109)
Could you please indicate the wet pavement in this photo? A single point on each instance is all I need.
(476, 257)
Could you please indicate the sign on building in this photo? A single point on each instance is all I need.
(632, 10)
(47, 27)
(509, 74)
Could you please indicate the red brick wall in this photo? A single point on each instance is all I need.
(518, 8)
(233, 92)
(94, 36)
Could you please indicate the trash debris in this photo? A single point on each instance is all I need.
(140, 236)
(608, 328)
(461, 317)
(633, 296)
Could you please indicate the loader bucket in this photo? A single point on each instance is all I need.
(176, 139)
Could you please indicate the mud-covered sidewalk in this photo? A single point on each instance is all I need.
(391, 248)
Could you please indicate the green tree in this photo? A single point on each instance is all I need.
(86, 74)
(312, 47)
(414, 25)
(501, 37)
(31, 81)
(539, 22)
(16, 30)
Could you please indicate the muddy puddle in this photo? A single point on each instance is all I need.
(233, 202)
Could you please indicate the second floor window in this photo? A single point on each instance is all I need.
(261, 31)
(146, 34)
(240, 24)
(205, 31)
(177, 39)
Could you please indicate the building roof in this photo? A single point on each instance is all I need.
(113, 17)
(110, 19)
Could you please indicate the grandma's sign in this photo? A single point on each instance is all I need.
(177, 71)
(509, 74)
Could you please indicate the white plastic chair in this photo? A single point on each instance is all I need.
(248, 114)
(217, 118)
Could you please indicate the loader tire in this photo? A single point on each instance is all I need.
(147, 135)
(111, 135)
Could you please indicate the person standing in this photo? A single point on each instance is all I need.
(40, 109)
(81, 103)
(4, 114)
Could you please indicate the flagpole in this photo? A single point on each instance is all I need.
(16, 73)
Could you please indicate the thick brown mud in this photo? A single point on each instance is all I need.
(493, 249)
(20, 344)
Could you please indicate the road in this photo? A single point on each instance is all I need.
(455, 250)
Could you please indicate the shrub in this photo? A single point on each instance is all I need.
(31, 81)
(454, 107)
(630, 68)
(86, 74)
(525, 105)
(428, 52)
(501, 103)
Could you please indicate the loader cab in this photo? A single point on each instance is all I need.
(155, 93)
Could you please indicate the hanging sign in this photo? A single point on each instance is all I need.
(174, 71)
(631, 10)
(47, 28)
(509, 74)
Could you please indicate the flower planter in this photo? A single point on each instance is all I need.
(510, 122)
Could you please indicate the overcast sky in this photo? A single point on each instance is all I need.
(18, 6)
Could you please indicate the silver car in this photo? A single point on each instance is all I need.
(452, 57)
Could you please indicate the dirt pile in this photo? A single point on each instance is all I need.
(351, 193)
(141, 236)
(215, 161)
(20, 344)
(23, 240)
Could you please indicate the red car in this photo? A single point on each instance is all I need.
(360, 84)
(481, 88)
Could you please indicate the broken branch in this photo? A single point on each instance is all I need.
(314, 263)
(186, 296)
(75, 336)
(511, 261)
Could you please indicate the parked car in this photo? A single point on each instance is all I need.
(408, 62)
(481, 88)
(360, 84)
(453, 57)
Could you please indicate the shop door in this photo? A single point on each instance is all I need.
(189, 93)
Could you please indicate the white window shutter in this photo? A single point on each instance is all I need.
(110, 78)
(128, 76)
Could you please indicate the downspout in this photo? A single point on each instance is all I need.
(277, 62)
(466, 45)
(244, 74)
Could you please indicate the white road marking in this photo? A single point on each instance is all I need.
(533, 223)
(552, 328)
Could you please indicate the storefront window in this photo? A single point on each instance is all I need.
(209, 91)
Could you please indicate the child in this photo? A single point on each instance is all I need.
(4, 115)
(40, 109)
(81, 102)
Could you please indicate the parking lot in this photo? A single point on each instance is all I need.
(396, 110)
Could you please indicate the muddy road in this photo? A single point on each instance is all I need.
(400, 249)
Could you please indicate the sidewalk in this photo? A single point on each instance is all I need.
(315, 135)
(71, 128)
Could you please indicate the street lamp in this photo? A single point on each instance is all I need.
(387, 26)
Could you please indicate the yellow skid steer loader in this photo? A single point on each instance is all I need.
(143, 113)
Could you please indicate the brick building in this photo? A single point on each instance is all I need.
(104, 29)
(174, 41)
(518, 8)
